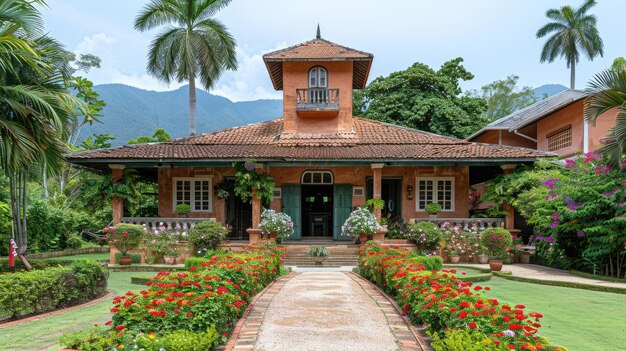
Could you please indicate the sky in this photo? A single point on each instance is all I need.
(496, 38)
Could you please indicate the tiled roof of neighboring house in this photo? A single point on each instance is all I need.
(534, 112)
(319, 50)
(370, 140)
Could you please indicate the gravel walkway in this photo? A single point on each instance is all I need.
(324, 311)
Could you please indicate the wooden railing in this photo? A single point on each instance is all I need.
(178, 224)
(317, 99)
(466, 223)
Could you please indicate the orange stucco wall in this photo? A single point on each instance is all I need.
(598, 131)
(355, 175)
(504, 137)
(570, 115)
(295, 76)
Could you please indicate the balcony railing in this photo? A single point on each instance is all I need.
(177, 224)
(317, 99)
(466, 223)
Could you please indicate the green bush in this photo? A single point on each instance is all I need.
(125, 237)
(433, 208)
(47, 289)
(5, 228)
(36, 264)
(496, 242)
(465, 340)
(431, 263)
(183, 209)
(426, 236)
(74, 242)
(206, 236)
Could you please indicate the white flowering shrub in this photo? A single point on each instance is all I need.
(276, 222)
(360, 221)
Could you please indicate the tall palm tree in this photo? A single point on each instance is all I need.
(572, 31)
(193, 44)
(608, 92)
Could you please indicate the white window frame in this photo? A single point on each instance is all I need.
(316, 72)
(321, 173)
(435, 197)
(192, 191)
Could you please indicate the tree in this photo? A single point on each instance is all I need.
(619, 64)
(503, 97)
(572, 31)
(159, 136)
(608, 92)
(193, 45)
(422, 98)
(35, 105)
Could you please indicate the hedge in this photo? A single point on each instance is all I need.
(36, 264)
(48, 289)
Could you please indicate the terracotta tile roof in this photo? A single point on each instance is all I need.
(370, 140)
(319, 50)
(316, 49)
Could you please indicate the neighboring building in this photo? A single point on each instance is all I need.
(325, 162)
(555, 124)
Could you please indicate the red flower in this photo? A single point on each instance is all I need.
(472, 325)
(515, 326)
(108, 323)
(120, 327)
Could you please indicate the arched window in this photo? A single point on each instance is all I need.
(317, 177)
(318, 77)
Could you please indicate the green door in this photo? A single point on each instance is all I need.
(292, 207)
(341, 210)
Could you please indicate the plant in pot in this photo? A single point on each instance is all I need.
(318, 253)
(170, 254)
(497, 243)
(426, 236)
(125, 237)
(276, 225)
(433, 209)
(206, 236)
(360, 224)
(157, 243)
(183, 210)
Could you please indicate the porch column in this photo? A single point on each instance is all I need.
(510, 212)
(255, 232)
(117, 172)
(378, 170)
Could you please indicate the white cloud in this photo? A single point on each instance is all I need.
(251, 80)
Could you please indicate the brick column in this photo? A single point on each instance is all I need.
(378, 179)
(255, 232)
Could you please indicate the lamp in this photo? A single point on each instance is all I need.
(249, 166)
(409, 192)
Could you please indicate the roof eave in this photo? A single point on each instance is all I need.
(483, 130)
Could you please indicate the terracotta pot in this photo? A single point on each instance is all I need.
(495, 264)
(524, 257)
(319, 260)
(169, 259)
(455, 259)
(255, 235)
(273, 236)
(432, 215)
(363, 238)
(379, 236)
(483, 259)
(126, 261)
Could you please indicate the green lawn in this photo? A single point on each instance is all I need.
(575, 318)
(103, 256)
(43, 334)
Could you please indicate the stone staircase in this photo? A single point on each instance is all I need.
(340, 254)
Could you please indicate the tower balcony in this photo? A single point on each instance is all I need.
(321, 102)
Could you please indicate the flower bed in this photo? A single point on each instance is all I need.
(48, 289)
(456, 313)
(205, 301)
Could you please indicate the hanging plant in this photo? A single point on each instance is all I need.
(248, 182)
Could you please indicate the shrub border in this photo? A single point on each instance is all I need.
(563, 284)
(598, 277)
(109, 295)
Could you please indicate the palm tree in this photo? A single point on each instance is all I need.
(608, 92)
(192, 45)
(573, 31)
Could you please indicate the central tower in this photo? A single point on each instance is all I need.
(317, 78)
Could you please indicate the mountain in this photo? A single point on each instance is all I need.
(131, 112)
(548, 90)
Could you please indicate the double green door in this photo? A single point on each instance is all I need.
(342, 206)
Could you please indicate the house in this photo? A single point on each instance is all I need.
(555, 124)
(325, 162)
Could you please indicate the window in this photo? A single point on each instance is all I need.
(439, 190)
(195, 192)
(560, 139)
(317, 177)
(318, 78)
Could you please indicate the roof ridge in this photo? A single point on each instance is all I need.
(213, 132)
(415, 130)
(280, 51)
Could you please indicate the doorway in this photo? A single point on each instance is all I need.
(317, 210)
(391, 193)
(238, 213)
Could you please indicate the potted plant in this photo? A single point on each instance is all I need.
(170, 255)
(157, 243)
(433, 209)
(318, 253)
(183, 210)
(206, 236)
(482, 257)
(360, 224)
(426, 236)
(276, 225)
(125, 237)
(497, 242)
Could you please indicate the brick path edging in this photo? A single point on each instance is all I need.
(414, 340)
(109, 295)
(247, 328)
